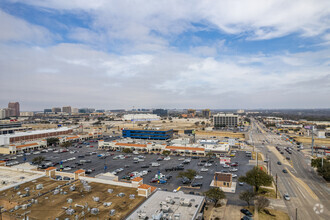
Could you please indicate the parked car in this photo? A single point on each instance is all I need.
(204, 169)
(198, 177)
(185, 180)
(246, 212)
(197, 184)
(284, 171)
(279, 163)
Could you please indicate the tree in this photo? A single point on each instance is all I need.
(262, 203)
(164, 121)
(166, 152)
(210, 154)
(66, 144)
(256, 177)
(38, 160)
(203, 123)
(247, 196)
(215, 194)
(190, 174)
(197, 123)
(51, 141)
(127, 150)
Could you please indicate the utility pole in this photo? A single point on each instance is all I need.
(312, 140)
(276, 185)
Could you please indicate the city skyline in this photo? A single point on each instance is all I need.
(165, 54)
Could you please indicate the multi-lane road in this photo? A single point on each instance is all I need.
(310, 196)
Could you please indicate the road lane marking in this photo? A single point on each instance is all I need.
(301, 192)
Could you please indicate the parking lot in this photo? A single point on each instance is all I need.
(97, 165)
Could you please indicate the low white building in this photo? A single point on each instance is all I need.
(141, 117)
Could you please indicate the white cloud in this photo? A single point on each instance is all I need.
(135, 20)
(77, 75)
(14, 29)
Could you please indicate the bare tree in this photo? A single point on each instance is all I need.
(262, 203)
(247, 196)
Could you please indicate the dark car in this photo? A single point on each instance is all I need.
(145, 166)
(200, 164)
(282, 152)
(284, 171)
(288, 158)
(88, 161)
(279, 163)
(197, 184)
(154, 180)
(81, 156)
(185, 180)
(246, 212)
(194, 157)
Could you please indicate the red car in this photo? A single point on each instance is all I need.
(154, 181)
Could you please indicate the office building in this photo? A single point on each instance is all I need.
(148, 134)
(3, 113)
(15, 107)
(66, 109)
(75, 110)
(47, 110)
(160, 112)
(206, 113)
(56, 110)
(27, 114)
(225, 120)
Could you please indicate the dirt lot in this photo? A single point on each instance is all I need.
(317, 141)
(50, 206)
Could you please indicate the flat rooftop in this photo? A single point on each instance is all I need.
(152, 206)
(51, 206)
(19, 134)
(9, 177)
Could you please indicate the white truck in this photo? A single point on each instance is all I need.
(155, 164)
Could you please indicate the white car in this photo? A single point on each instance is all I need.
(167, 158)
(35, 153)
(286, 197)
(198, 177)
(207, 164)
(234, 175)
(181, 158)
(204, 169)
(233, 170)
(67, 168)
(225, 166)
(27, 154)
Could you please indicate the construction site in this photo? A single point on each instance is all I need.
(45, 198)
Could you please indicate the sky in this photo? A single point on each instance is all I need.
(220, 54)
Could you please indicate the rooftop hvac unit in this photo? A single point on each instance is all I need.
(112, 212)
(170, 200)
(69, 211)
(96, 199)
(94, 211)
(39, 186)
(110, 190)
(142, 215)
(165, 208)
(69, 200)
(158, 215)
(177, 216)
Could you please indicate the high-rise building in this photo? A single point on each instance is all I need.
(67, 109)
(225, 120)
(160, 112)
(206, 113)
(15, 107)
(27, 114)
(3, 113)
(56, 109)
